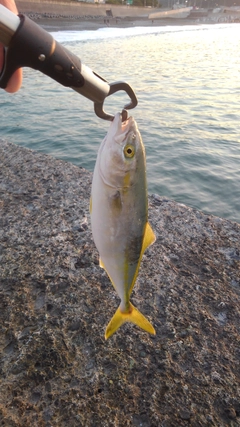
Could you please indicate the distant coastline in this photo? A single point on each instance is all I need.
(55, 16)
(62, 23)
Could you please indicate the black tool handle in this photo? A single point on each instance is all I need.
(29, 45)
(32, 46)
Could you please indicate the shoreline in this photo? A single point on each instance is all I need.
(61, 22)
(89, 24)
(73, 15)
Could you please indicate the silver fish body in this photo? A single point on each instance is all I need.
(119, 211)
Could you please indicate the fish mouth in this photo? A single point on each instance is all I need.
(124, 129)
(129, 124)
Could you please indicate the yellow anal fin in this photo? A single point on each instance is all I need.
(101, 264)
(90, 205)
(149, 237)
(133, 316)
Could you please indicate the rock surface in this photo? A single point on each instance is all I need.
(56, 368)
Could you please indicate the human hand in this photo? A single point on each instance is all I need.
(15, 81)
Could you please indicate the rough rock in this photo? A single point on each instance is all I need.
(55, 301)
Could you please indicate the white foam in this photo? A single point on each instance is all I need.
(111, 32)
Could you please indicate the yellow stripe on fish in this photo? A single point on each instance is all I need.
(119, 211)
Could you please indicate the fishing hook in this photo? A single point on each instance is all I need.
(116, 87)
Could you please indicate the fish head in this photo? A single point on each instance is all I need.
(123, 153)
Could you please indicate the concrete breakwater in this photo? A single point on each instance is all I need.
(55, 301)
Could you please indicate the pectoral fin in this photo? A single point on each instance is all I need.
(133, 316)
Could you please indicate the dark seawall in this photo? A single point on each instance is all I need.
(55, 302)
(79, 8)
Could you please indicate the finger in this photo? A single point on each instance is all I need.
(1, 56)
(15, 81)
(10, 4)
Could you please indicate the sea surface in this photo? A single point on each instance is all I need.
(187, 80)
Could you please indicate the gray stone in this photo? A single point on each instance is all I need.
(55, 302)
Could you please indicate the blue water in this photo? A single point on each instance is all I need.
(187, 80)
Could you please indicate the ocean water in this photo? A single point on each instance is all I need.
(187, 80)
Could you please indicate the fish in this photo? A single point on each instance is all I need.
(119, 215)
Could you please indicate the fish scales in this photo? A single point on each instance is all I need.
(119, 215)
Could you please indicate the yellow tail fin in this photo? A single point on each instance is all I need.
(133, 316)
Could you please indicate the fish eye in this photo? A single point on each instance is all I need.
(129, 151)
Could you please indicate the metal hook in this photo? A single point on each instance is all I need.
(116, 87)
